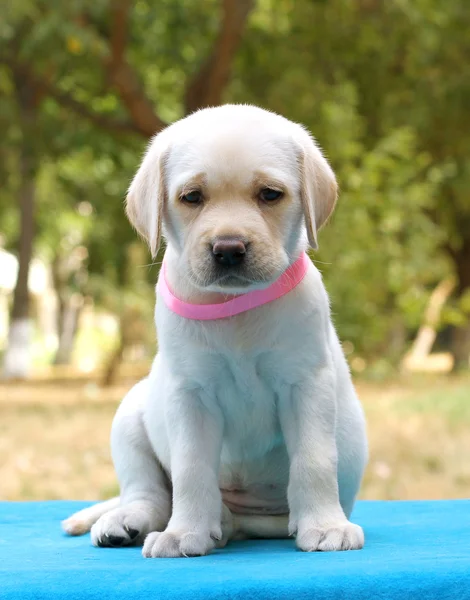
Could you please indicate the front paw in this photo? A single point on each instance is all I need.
(126, 525)
(173, 544)
(332, 537)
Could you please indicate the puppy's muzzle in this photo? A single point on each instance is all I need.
(229, 252)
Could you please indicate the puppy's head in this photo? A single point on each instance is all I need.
(237, 190)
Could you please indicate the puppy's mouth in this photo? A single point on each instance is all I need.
(236, 281)
(231, 280)
(251, 275)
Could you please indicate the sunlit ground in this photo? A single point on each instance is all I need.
(54, 438)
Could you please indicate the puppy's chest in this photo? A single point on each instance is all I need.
(246, 389)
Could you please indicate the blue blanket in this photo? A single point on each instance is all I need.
(413, 550)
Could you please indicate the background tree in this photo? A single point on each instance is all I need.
(27, 97)
(384, 86)
(113, 97)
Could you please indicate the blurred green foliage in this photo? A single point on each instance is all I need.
(383, 86)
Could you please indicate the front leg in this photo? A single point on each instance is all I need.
(308, 417)
(195, 438)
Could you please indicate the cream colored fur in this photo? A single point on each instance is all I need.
(253, 419)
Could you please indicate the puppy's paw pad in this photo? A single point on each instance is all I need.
(113, 541)
(169, 544)
(132, 533)
(344, 536)
(120, 527)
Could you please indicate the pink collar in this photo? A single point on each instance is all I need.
(291, 277)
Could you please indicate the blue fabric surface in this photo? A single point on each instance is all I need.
(413, 550)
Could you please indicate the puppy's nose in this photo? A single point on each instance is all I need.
(229, 252)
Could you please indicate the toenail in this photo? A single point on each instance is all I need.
(115, 540)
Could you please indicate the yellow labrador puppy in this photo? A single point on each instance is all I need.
(248, 424)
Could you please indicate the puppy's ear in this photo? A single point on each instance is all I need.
(146, 194)
(318, 187)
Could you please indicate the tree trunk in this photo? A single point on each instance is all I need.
(461, 348)
(68, 326)
(126, 328)
(69, 309)
(396, 341)
(16, 363)
(460, 344)
(208, 84)
(113, 365)
(426, 336)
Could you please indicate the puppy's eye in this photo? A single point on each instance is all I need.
(269, 195)
(192, 197)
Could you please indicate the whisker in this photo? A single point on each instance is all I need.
(153, 264)
(320, 262)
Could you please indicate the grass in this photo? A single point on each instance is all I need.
(54, 439)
